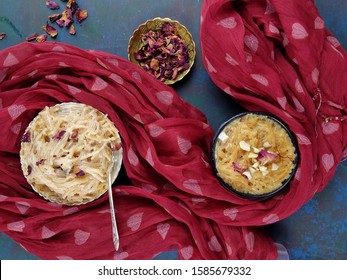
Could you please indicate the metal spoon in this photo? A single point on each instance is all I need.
(116, 165)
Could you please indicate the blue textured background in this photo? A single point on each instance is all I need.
(319, 229)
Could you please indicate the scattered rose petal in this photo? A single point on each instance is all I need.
(2, 35)
(81, 15)
(72, 30)
(51, 31)
(31, 37)
(41, 38)
(52, 5)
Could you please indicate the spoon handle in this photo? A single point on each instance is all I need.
(115, 234)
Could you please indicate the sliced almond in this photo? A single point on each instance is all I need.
(263, 168)
(223, 136)
(252, 155)
(245, 146)
(256, 164)
(247, 174)
(256, 150)
(252, 170)
(267, 145)
(274, 167)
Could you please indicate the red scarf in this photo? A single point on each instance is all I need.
(277, 56)
(175, 201)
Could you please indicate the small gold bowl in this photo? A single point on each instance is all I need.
(135, 43)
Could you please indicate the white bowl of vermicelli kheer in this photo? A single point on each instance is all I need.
(254, 155)
(68, 151)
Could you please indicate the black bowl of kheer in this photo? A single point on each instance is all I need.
(254, 155)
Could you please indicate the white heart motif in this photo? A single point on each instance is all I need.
(328, 161)
(10, 60)
(298, 31)
(214, 244)
(46, 233)
(231, 213)
(318, 23)
(193, 185)
(16, 226)
(165, 97)
(134, 221)
(121, 255)
(210, 67)
(184, 144)
(229, 22)
(187, 252)
(330, 128)
(99, 84)
(163, 229)
(249, 239)
(81, 237)
(22, 207)
(15, 111)
(270, 219)
(251, 42)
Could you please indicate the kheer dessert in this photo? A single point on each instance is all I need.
(254, 154)
(66, 153)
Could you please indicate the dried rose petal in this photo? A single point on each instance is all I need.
(2, 35)
(59, 134)
(266, 156)
(66, 18)
(40, 162)
(54, 17)
(52, 5)
(81, 15)
(41, 38)
(72, 30)
(80, 173)
(26, 138)
(239, 168)
(51, 31)
(29, 170)
(31, 37)
(163, 53)
(74, 134)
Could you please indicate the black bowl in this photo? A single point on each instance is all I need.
(284, 183)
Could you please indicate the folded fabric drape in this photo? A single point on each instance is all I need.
(174, 202)
(277, 56)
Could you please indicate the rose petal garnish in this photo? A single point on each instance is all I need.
(31, 37)
(59, 134)
(50, 30)
(80, 173)
(81, 15)
(29, 170)
(41, 38)
(266, 156)
(74, 134)
(239, 168)
(40, 162)
(2, 35)
(26, 138)
(52, 5)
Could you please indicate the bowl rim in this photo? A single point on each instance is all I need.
(284, 184)
(176, 22)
